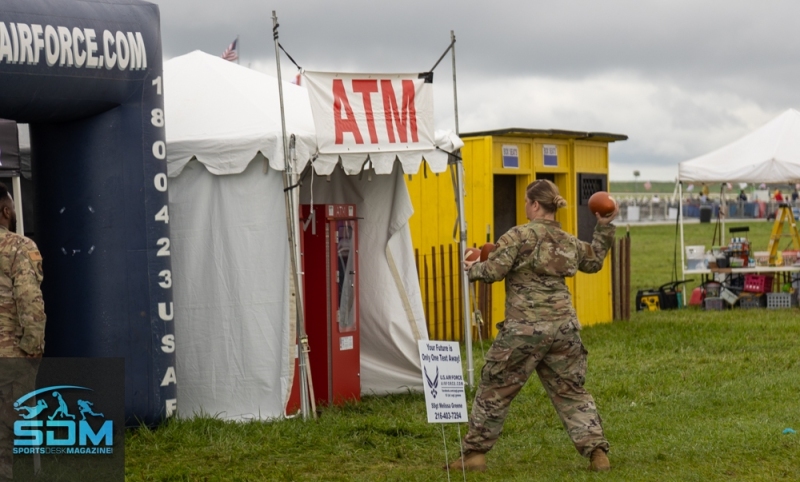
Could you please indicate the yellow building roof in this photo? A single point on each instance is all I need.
(549, 133)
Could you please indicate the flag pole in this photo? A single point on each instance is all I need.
(291, 226)
(462, 240)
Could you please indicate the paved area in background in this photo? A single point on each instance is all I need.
(686, 221)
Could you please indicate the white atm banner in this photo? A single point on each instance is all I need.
(363, 113)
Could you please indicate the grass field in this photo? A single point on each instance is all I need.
(686, 395)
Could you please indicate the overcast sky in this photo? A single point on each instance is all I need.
(679, 77)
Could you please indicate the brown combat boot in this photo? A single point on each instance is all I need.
(599, 461)
(475, 461)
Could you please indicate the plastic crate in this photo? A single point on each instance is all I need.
(729, 296)
(757, 283)
(789, 258)
(748, 301)
(761, 258)
(712, 289)
(714, 304)
(779, 300)
(736, 281)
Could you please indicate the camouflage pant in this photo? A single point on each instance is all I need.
(17, 377)
(557, 354)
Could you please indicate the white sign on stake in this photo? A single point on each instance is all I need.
(443, 381)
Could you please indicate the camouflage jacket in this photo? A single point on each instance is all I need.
(534, 259)
(22, 317)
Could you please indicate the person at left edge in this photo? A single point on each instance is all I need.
(22, 321)
(22, 316)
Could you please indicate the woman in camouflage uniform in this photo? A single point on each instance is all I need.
(541, 330)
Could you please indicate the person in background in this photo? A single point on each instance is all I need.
(22, 321)
(778, 196)
(541, 331)
(742, 196)
(795, 196)
(22, 316)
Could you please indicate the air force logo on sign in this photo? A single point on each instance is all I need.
(432, 384)
(52, 426)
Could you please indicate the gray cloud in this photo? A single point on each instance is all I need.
(679, 77)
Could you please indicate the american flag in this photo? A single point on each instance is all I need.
(232, 52)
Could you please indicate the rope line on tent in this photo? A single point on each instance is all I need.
(303, 175)
(290, 57)
(275, 37)
(451, 153)
(445, 53)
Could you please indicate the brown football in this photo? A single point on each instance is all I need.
(601, 202)
(486, 249)
(472, 254)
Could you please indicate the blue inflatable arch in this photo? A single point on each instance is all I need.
(87, 76)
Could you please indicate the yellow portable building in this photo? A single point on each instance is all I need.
(498, 165)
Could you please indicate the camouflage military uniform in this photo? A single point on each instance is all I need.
(22, 322)
(22, 315)
(540, 332)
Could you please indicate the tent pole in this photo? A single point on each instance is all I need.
(462, 242)
(462, 222)
(455, 85)
(722, 202)
(683, 250)
(291, 226)
(16, 188)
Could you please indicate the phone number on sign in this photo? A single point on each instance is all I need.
(447, 415)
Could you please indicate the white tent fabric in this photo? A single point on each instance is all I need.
(230, 257)
(235, 112)
(230, 290)
(770, 154)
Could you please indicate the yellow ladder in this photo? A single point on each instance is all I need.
(784, 214)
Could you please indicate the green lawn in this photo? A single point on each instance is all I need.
(686, 395)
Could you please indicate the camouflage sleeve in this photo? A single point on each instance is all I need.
(591, 256)
(26, 272)
(499, 262)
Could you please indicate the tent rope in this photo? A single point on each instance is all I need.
(445, 53)
(275, 37)
(451, 153)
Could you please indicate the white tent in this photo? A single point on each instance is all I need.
(769, 154)
(233, 330)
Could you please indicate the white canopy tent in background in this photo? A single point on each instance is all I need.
(230, 250)
(769, 154)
